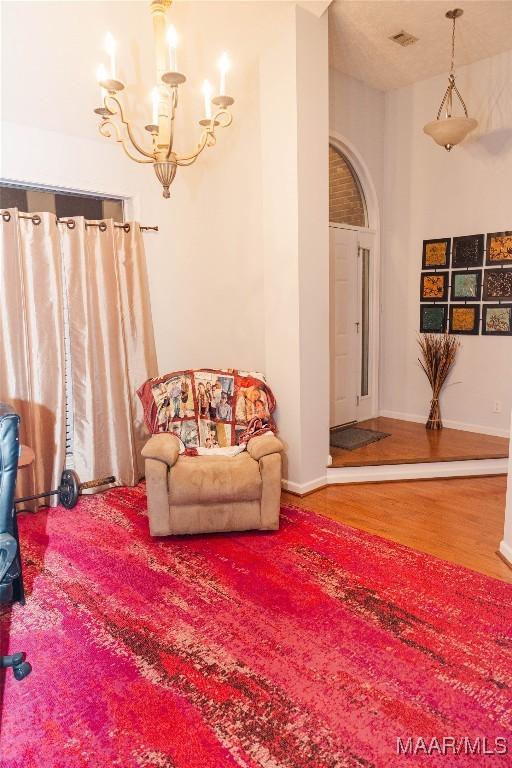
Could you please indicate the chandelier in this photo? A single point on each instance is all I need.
(164, 98)
(449, 130)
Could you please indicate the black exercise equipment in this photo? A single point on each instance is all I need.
(20, 667)
(69, 489)
(11, 579)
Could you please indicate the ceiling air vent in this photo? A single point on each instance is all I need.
(404, 38)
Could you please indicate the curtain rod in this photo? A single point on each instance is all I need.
(70, 223)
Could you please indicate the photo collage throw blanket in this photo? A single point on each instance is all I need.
(208, 408)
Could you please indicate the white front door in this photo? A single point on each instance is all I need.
(351, 320)
(343, 316)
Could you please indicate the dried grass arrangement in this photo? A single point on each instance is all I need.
(438, 353)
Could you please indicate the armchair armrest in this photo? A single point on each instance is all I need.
(263, 445)
(162, 447)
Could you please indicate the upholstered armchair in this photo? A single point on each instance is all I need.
(203, 494)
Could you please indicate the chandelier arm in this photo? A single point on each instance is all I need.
(186, 163)
(118, 138)
(223, 118)
(189, 159)
(126, 123)
(208, 140)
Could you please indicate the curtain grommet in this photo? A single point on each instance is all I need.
(6, 216)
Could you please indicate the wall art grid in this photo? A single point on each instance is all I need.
(459, 276)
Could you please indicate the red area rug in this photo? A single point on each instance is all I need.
(316, 646)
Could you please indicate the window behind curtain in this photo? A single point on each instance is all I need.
(63, 205)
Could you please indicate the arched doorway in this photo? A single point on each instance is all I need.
(354, 287)
(347, 203)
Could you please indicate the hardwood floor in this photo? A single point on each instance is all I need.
(411, 443)
(459, 520)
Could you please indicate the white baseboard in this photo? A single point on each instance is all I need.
(425, 471)
(506, 551)
(387, 472)
(302, 488)
(420, 419)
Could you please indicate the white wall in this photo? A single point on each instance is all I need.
(356, 112)
(430, 193)
(294, 115)
(313, 199)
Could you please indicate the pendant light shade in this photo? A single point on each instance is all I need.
(449, 130)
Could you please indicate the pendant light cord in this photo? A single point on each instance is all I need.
(452, 66)
(447, 99)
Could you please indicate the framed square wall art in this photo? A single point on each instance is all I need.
(466, 286)
(498, 284)
(497, 320)
(468, 251)
(499, 248)
(433, 318)
(434, 286)
(464, 319)
(436, 253)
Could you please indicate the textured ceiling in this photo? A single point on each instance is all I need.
(359, 32)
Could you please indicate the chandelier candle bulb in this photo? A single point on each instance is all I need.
(207, 93)
(224, 65)
(172, 41)
(101, 75)
(111, 47)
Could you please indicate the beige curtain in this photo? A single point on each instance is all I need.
(112, 347)
(103, 271)
(32, 343)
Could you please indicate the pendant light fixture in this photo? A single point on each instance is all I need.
(449, 130)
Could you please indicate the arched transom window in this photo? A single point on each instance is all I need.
(346, 200)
